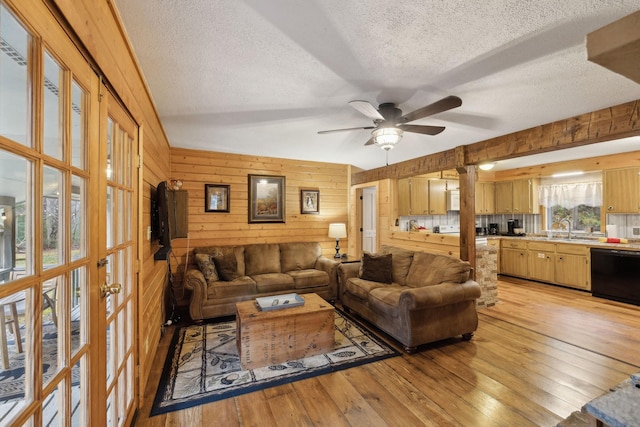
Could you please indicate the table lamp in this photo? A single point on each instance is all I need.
(337, 230)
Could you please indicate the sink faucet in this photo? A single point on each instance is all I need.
(568, 224)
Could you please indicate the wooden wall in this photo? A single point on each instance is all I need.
(197, 168)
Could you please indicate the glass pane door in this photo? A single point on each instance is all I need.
(120, 148)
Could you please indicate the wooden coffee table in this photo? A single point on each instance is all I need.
(267, 338)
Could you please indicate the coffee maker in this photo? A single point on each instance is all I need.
(512, 224)
(494, 229)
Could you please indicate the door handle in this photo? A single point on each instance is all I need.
(113, 288)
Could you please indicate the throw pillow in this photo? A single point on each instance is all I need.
(208, 268)
(376, 268)
(227, 265)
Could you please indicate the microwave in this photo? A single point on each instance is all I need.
(453, 200)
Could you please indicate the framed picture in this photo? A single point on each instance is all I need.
(309, 201)
(216, 198)
(266, 198)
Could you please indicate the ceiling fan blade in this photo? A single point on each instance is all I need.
(367, 109)
(369, 142)
(437, 107)
(322, 132)
(426, 130)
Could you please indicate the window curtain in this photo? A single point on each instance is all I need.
(570, 195)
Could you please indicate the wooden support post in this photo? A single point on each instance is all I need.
(467, 181)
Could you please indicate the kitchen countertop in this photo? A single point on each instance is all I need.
(592, 242)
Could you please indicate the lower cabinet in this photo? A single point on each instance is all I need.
(572, 266)
(557, 263)
(513, 258)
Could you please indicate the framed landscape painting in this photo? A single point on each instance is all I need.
(266, 198)
(309, 201)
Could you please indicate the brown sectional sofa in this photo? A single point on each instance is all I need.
(429, 297)
(244, 272)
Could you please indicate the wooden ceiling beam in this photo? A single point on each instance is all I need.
(617, 46)
(611, 123)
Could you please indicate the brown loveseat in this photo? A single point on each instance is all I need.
(415, 297)
(225, 275)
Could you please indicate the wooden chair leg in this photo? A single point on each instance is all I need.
(52, 304)
(3, 340)
(16, 327)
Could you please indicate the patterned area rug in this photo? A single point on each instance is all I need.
(203, 364)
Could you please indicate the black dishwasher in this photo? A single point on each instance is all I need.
(615, 275)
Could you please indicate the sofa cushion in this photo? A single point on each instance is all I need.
(310, 278)
(219, 251)
(222, 289)
(273, 282)
(299, 255)
(360, 287)
(262, 259)
(207, 266)
(226, 264)
(400, 264)
(376, 268)
(386, 300)
(431, 269)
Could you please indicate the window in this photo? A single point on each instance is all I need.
(575, 199)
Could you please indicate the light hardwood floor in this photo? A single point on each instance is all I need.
(538, 355)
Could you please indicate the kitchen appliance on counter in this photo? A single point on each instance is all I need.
(514, 228)
(481, 231)
(494, 229)
(447, 229)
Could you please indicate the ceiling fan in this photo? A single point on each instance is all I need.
(390, 123)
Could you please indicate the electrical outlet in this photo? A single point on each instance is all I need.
(636, 231)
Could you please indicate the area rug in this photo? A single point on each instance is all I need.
(203, 366)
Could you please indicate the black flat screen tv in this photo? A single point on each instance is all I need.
(160, 229)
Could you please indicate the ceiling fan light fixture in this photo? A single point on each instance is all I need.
(487, 166)
(387, 138)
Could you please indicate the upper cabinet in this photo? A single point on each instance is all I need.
(485, 198)
(423, 195)
(621, 190)
(519, 196)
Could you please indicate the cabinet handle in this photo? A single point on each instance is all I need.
(560, 258)
(610, 208)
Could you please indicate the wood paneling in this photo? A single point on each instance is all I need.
(196, 168)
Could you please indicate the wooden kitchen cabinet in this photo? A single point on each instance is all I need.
(485, 198)
(404, 197)
(541, 261)
(572, 266)
(504, 197)
(519, 196)
(419, 196)
(565, 264)
(525, 196)
(621, 190)
(513, 258)
(438, 196)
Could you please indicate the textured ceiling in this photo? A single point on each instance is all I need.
(262, 77)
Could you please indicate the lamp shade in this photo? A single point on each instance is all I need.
(386, 138)
(337, 230)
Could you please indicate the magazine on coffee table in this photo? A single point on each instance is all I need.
(277, 302)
